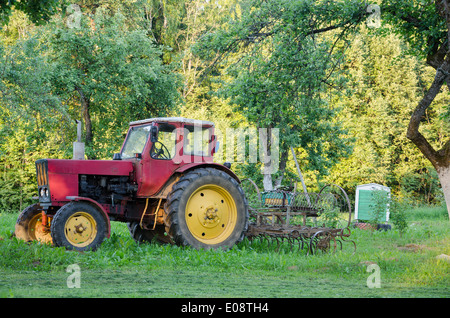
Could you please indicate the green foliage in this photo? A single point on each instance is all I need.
(398, 215)
(29, 117)
(330, 218)
(276, 68)
(38, 11)
(117, 68)
(114, 71)
(425, 27)
(22, 144)
(398, 211)
(385, 84)
(300, 66)
(25, 82)
(380, 206)
(416, 21)
(164, 21)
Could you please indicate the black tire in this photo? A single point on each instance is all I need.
(147, 236)
(28, 225)
(79, 226)
(226, 219)
(384, 227)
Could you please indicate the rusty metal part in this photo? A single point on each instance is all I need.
(280, 217)
(45, 224)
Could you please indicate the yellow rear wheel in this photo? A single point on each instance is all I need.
(211, 214)
(206, 209)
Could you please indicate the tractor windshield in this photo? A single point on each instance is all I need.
(135, 142)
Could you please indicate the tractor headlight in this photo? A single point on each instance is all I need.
(44, 192)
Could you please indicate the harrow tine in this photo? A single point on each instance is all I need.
(278, 244)
(340, 243)
(302, 246)
(260, 239)
(312, 240)
(344, 235)
(291, 243)
(334, 243)
(270, 242)
(310, 248)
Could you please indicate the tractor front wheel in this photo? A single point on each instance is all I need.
(79, 226)
(206, 209)
(29, 225)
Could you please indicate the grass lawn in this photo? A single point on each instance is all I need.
(407, 267)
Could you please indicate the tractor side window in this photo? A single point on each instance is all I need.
(196, 141)
(136, 141)
(164, 148)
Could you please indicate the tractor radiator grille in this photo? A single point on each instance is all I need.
(42, 181)
(42, 172)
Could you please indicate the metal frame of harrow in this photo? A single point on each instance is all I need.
(273, 220)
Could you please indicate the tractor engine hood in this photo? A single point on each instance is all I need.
(59, 178)
(95, 167)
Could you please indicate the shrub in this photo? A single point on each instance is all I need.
(398, 215)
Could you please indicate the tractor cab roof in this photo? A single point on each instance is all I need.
(195, 122)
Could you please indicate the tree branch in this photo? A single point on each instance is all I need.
(437, 158)
(436, 58)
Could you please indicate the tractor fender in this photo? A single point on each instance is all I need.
(191, 166)
(164, 191)
(96, 205)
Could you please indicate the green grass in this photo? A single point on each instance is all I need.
(123, 268)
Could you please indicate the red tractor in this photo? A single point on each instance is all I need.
(163, 183)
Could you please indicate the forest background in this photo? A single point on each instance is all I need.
(108, 63)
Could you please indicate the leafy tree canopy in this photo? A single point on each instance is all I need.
(278, 60)
(38, 11)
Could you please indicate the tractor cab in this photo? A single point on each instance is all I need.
(171, 138)
(159, 147)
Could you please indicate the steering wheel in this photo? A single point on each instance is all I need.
(160, 151)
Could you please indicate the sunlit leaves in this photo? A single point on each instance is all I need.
(280, 62)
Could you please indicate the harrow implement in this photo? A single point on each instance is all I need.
(284, 216)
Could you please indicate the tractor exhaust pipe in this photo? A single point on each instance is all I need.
(78, 146)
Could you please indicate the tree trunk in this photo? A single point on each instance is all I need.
(265, 157)
(444, 177)
(87, 121)
(439, 158)
(267, 182)
(283, 162)
(269, 155)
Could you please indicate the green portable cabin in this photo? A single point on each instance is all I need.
(365, 200)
